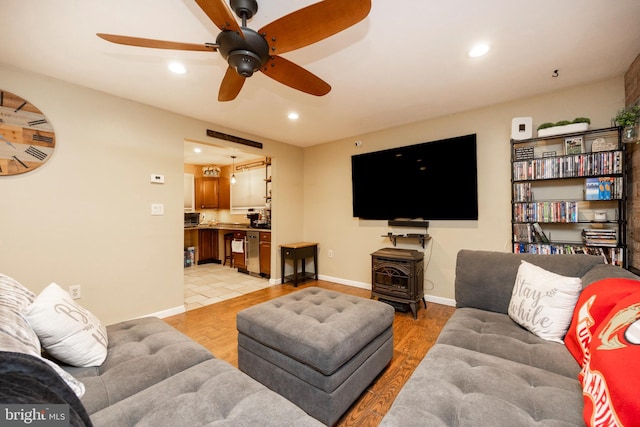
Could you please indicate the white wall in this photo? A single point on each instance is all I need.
(327, 185)
(84, 216)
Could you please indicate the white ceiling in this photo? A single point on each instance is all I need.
(213, 154)
(404, 63)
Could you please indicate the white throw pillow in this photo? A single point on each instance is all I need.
(67, 331)
(543, 302)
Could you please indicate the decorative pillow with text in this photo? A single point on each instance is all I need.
(68, 332)
(543, 302)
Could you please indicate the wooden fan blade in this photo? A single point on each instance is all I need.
(313, 23)
(156, 44)
(230, 86)
(220, 14)
(294, 76)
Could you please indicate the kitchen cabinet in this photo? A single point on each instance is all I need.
(265, 254)
(207, 192)
(249, 190)
(189, 192)
(190, 246)
(207, 246)
(239, 258)
(213, 193)
(224, 193)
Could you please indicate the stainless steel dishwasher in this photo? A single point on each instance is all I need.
(253, 252)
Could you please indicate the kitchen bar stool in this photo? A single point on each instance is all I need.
(228, 253)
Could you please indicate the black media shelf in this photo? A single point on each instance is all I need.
(422, 238)
(408, 223)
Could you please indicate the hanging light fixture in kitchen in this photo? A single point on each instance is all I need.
(233, 170)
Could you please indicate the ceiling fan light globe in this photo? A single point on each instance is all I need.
(244, 62)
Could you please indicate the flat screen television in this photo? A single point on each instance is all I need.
(429, 181)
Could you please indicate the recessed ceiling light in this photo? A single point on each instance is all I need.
(478, 50)
(177, 68)
(293, 116)
(197, 150)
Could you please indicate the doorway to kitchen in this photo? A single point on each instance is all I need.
(211, 282)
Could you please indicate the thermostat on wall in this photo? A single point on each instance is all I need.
(157, 179)
(521, 128)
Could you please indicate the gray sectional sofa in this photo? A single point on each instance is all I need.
(483, 370)
(156, 376)
(486, 370)
(153, 375)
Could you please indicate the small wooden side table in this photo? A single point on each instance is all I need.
(299, 251)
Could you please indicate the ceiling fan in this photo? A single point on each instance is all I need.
(248, 51)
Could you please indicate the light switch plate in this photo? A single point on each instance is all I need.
(157, 209)
(157, 179)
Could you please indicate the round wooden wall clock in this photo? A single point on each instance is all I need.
(27, 139)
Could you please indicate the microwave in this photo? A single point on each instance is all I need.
(191, 219)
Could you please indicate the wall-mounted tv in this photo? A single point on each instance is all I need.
(431, 181)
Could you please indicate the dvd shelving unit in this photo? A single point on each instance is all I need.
(568, 194)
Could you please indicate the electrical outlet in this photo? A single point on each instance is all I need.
(74, 291)
(330, 253)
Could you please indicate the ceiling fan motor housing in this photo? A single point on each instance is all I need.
(246, 55)
(245, 9)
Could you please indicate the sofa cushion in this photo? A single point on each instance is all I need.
(455, 386)
(141, 353)
(606, 271)
(543, 302)
(496, 334)
(211, 393)
(485, 279)
(17, 335)
(67, 331)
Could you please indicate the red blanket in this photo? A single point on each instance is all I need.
(604, 337)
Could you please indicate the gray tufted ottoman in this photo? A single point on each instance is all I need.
(318, 348)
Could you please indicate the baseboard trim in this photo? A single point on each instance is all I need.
(168, 312)
(274, 281)
(430, 298)
(340, 281)
(440, 300)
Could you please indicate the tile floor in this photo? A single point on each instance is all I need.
(210, 283)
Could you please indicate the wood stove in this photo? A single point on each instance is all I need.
(397, 276)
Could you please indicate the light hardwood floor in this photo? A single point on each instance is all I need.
(214, 326)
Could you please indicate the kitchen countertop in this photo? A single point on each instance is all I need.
(226, 226)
